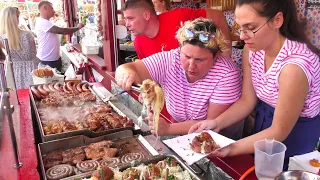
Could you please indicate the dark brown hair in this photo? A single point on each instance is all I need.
(291, 27)
(167, 3)
(146, 4)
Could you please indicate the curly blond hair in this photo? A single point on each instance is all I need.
(216, 41)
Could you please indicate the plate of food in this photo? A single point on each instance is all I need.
(193, 147)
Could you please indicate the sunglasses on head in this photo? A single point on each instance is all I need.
(202, 36)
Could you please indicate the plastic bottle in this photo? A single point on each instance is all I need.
(74, 39)
(318, 146)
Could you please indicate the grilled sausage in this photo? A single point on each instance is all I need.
(70, 86)
(42, 91)
(52, 89)
(46, 88)
(36, 93)
(79, 87)
(85, 87)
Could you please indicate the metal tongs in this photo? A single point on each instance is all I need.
(133, 88)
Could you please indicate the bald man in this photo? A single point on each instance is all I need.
(48, 51)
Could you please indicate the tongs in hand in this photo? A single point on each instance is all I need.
(133, 88)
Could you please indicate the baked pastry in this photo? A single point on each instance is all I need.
(43, 73)
(204, 143)
(315, 162)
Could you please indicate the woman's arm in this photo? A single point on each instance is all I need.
(247, 101)
(293, 90)
(214, 110)
(131, 73)
(240, 109)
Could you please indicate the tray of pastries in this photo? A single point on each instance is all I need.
(161, 167)
(65, 110)
(80, 154)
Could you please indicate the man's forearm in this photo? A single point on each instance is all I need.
(59, 30)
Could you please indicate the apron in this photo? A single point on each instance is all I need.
(302, 139)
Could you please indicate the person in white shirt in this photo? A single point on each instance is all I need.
(48, 51)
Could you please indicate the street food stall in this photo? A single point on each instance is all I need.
(69, 129)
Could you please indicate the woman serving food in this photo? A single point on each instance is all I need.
(197, 82)
(281, 74)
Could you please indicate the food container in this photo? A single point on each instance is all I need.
(90, 49)
(44, 80)
(153, 159)
(44, 138)
(297, 175)
(124, 141)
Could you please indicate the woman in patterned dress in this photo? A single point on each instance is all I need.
(22, 47)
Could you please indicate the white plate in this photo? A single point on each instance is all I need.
(181, 145)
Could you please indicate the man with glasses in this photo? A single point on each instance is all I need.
(156, 33)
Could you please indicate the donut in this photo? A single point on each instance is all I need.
(127, 158)
(42, 91)
(59, 172)
(87, 166)
(110, 162)
(35, 92)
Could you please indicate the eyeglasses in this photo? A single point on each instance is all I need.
(250, 33)
(202, 36)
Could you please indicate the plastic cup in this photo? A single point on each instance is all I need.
(269, 158)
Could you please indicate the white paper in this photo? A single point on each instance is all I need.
(70, 73)
(303, 160)
(181, 145)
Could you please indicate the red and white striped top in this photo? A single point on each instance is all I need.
(189, 101)
(266, 83)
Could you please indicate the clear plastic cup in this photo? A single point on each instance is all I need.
(268, 158)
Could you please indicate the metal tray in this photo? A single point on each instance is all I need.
(86, 132)
(78, 141)
(153, 159)
(297, 175)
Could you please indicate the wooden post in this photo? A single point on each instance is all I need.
(107, 7)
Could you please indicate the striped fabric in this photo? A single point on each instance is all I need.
(266, 84)
(189, 101)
